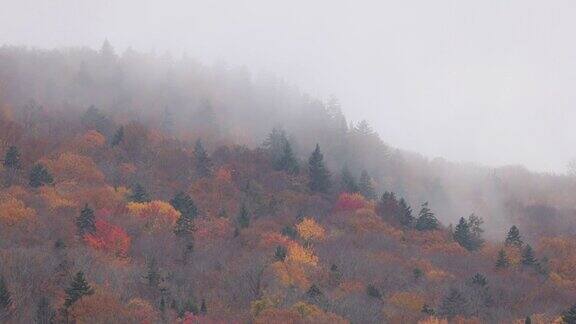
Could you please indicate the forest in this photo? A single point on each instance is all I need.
(145, 188)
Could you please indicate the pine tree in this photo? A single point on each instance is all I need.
(314, 291)
(569, 315)
(347, 181)
(40, 176)
(12, 158)
(475, 226)
(243, 218)
(528, 320)
(153, 274)
(45, 314)
(202, 162)
(86, 221)
(479, 280)
(5, 297)
(373, 292)
(528, 258)
(453, 304)
(387, 206)
(462, 234)
(188, 212)
(203, 308)
(118, 137)
(139, 194)
(426, 220)
(404, 213)
(502, 261)
(280, 254)
(513, 237)
(287, 161)
(366, 187)
(78, 289)
(319, 174)
(426, 309)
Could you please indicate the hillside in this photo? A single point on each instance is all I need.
(139, 188)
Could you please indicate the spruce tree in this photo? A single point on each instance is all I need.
(373, 292)
(462, 235)
(139, 194)
(479, 280)
(426, 309)
(275, 144)
(280, 254)
(45, 314)
(78, 289)
(502, 260)
(528, 258)
(188, 212)
(475, 226)
(347, 181)
(513, 237)
(153, 274)
(365, 186)
(569, 315)
(528, 320)
(202, 162)
(287, 161)
(426, 220)
(314, 291)
(319, 174)
(243, 218)
(39, 176)
(387, 206)
(203, 308)
(404, 213)
(5, 297)
(453, 304)
(86, 221)
(118, 136)
(12, 158)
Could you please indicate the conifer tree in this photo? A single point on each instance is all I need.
(45, 314)
(426, 309)
(462, 235)
(513, 237)
(12, 158)
(153, 274)
(86, 221)
(528, 320)
(188, 212)
(479, 280)
(287, 161)
(373, 292)
(319, 174)
(243, 218)
(40, 176)
(203, 308)
(387, 206)
(78, 289)
(569, 315)
(202, 162)
(528, 258)
(347, 181)
(5, 297)
(314, 291)
(365, 186)
(404, 213)
(118, 136)
(426, 219)
(453, 304)
(502, 261)
(475, 226)
(139, 194)
(280, 254)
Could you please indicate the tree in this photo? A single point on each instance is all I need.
(404, 213)
(366, 187)
(118, 136)
(475, 226)
(453, 304)
(287, 161)
(188, 213)
(528, 320)
(502, 261)
(12, 158)
(569, 315)
(202, 161)
(39, 176)
(243, 218)
(426, 219)
(314, 291)
(387, 206)
(462, 235)
(78, 289)
(5, 297)
(426, 309)
(45, 314)
(86, 221)
(373, 292)
(347, 181)
(479, 280)
(528, 258)
(203, 308)
(513, 238)
(139, 194)
(280, 254)
(153, 274)
(318, 173)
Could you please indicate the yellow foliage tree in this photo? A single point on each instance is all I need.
(13, 211)
(156, 214)
(309, 230)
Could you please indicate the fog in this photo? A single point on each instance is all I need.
(488, 82)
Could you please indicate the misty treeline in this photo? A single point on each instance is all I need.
(146, 188)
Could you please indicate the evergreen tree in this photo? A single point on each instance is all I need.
(203, 308)
(287, 161)
(40, 176)
(513, 237)
(280, 254)
(347, 181)
(502, 261)
(365, 186)
(314, 291)
(118, 136)
(86, 221)
(475, 226)
(404, 213)
(153, 274)
(289, 231)
(373, 292)
(528, 320)
(387, 206)
(45, 314)
(319, 174)
(202, 162)
(243, 218)
(462, 235)
(569, 315)
(479, 280)
(188, 212)
(139, 194)
(12, 158)
(426, 309)
(528, 258)
(78, 289)
(5, 297)
(426, 220)
(453, 304)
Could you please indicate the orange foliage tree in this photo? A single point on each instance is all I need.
(109, 238)
(308, 229)
(350, 201)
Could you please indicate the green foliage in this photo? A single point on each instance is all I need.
(426, 309)
(453, 304)
(404, 213)
(153, 274)
(188, 213)
(347, 181)
(12, 158)
(202, 161)
(366, 187)
(314, 291)
(318, 173)
(514, 238)
(243, 219)
(280, 149)
(569, 315)
(45, 314)
(528, 320)
(118, 136)
(85, 222)
(417, 273)
(39, 176)
(373, 292)
(289, 231)
(78, 289)
(387, 206)
(94, 118)
(426, 219)
(502, 262)
(139, 194)
(5, 296)
(203, 308)
(280, 254)
(479, 280)
(287, 161)
(528, 258)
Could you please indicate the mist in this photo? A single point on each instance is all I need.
(482, 82)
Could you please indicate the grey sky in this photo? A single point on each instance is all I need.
(486, 81)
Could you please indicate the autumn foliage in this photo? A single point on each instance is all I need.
(110, 238)
(350, 202)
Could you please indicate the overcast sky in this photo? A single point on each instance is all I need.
(488, 81)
